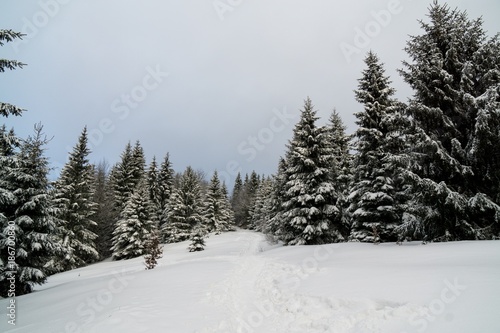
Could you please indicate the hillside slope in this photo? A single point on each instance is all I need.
(240, 283)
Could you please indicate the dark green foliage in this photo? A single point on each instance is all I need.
(28, 225)
(186, 208)
(154, 249)
(454, 73)
(133, 229)
(74, 199)
(373, 206)
(308, 211)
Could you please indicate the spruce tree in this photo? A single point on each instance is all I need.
(373, 205)
(165, 189)
(154, 249)
(28, 225)
(341, 172)
(6, 36)
(340, 141)
(138, 163)
(74, 199)
(197, 238)
(217, 216)
(104, 216)
(228, 211)
(309, 195)
(154, 186)
(453, 69)
(122, 178)
(261, 209)
(133, 229)
(186, 208)
(276, 227)
(238, 201)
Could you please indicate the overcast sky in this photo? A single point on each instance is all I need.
(217, 84)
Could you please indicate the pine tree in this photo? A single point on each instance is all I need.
(251, 188)
(238, 201)
(373, 207)
(105, 215)
(165, 189)
(154, 186)
(261, 209)
(122, 178)
(154, 249)
(133, 229)
(452, 70)
(138, 163)
(74, 194)
(276, 227)
(342, 159)
(218, 217)
(309, 195)
(27, 221)
(73, 198)
(341, 167)
(6, 36)
(228, 211)
(197, 238)
(186, 208)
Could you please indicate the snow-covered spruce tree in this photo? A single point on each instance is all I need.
(309, 210)
(105, 214)
(261, 210)
(275, 227)
(340, 141)
(153, 184)
(229, 226)
(483, 207)
(452, 70)
(6, 36)
(217, 216)
(154, 249)
(373, 206)
(138, 163)
(341, 166)
(238, 201)
(137, 221)
(166, 187)
(197, 238)
(28, 226)
(9, 142)
(74, 199)
(186, 208)
(251, 187)
(122, 179)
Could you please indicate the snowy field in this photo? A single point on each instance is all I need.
(240, 283)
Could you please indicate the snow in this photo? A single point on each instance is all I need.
(240, 283)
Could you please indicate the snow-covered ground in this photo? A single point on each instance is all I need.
(240, 283)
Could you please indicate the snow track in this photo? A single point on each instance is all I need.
(262, 295)
(242, 284)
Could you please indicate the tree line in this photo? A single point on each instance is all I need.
(424, 169)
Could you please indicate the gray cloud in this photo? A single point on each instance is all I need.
(226, 76)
